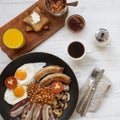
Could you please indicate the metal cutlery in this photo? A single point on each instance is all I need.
(94, 79)
(91, 93)
(75, 3)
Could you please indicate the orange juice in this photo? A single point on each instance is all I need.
(13, 38)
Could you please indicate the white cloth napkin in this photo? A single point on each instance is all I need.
(100, 92)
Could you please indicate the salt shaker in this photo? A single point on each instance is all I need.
(101, 37)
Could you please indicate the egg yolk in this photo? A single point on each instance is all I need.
(20, 74)
(19, 91)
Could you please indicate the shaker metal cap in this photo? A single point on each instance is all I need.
(102, 37)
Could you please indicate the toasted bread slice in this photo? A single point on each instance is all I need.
(42, 20)
(29, 29)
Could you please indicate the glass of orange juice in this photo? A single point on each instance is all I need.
(13, 38)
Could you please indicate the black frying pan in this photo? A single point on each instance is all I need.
(32, 58)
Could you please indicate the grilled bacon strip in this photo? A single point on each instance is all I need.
(47, 70)
(17, 109)
(47, 113)
(27, 111)
(36, 115)
(32, 111)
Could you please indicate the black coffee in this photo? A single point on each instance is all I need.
(76, 49)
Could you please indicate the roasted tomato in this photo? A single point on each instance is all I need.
(57, 87)
(10, 82)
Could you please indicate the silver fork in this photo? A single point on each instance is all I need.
(86, 93)
(92, 91)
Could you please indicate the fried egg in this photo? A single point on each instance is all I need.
(16, 95)
(25, 73)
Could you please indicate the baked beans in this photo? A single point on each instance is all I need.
(55, 6)
(40, 95)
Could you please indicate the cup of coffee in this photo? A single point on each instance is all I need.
(76, 50)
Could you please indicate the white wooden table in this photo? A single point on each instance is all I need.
(97, 13)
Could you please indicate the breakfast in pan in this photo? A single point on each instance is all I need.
(38, 85)
(37, 94)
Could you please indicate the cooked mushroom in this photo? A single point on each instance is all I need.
(59, 96)
(66, 96)
(55, 104)
(64, 105)
(58, 112)
(66, 88)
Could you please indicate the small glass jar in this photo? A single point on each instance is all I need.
(76, 22)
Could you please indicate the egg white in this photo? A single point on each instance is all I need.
(31, 69)
(38, 66)
(11, 99)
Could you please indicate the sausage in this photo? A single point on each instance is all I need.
(48, 70)
(55, 77)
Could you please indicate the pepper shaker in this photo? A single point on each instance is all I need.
(101, 37)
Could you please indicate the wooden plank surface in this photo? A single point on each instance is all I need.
(32, 39)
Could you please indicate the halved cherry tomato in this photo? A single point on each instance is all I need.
(10, 82)
(57, 87)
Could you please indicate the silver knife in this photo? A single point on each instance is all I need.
(91, 94)
(91, 79)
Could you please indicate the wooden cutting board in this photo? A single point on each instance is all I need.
(32, 39)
